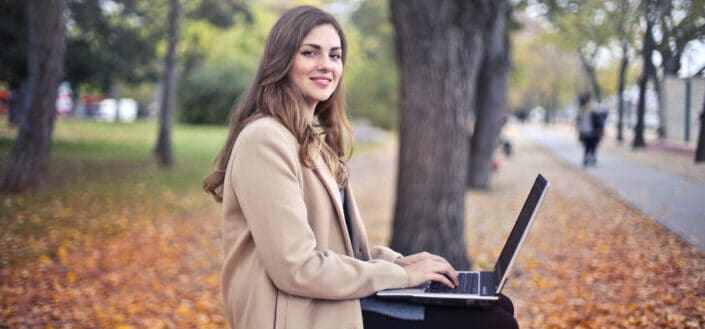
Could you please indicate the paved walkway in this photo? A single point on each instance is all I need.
(676, 202)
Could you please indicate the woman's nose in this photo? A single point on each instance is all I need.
(324, 63)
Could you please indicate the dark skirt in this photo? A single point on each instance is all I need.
(498, 316)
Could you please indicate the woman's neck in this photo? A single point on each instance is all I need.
(309, 110)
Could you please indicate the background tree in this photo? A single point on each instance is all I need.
(546, 60)
(28, 162)
(670, 26)
(675, 24)
(217, 12)
(648, 71)
(542, 74)
(625, 18)
(439, 49)
(584, 27)
(111, 43)
(163, 149)
(491, 100)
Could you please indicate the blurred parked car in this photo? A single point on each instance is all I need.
(111, 110)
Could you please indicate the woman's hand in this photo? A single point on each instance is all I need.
(425, 266)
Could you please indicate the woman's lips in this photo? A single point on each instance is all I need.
(322, 81)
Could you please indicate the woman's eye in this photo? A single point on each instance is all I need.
(336, 56)
(308, 53)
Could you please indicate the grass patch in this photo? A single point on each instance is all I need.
(103, 180)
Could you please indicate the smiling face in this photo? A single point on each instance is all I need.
(318, 64)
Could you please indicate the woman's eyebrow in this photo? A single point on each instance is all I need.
(318, 47)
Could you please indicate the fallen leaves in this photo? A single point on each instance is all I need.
(124, 282)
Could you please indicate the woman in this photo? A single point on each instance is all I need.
(296, 253)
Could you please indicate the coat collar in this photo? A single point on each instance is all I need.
(333, 190)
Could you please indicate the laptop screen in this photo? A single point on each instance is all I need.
(516, 237)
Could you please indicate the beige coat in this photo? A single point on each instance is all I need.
(289, 261)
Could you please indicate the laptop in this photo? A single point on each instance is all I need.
(479, 288)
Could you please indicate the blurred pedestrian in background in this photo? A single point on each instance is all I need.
(590, 123)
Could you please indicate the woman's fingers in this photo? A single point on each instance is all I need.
(431, 270)
(442, 279)
(435, 268)
(448, 272)
(444, 267)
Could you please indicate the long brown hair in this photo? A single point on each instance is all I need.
(272, 94)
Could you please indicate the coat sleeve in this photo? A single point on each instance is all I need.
(385, 253)
(265, 176)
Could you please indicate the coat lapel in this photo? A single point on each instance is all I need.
(359, 234)
(331, 186)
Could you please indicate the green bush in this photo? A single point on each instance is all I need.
(207, 93)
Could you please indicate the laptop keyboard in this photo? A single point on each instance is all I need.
(468, 285)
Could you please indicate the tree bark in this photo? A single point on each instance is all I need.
(491, 96)
(647, 71)
(639, 141)
(624, 63)
(439, 49)
(163, 149)
(27, 165)
(661, 131)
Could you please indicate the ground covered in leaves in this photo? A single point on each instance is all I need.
(591, 261)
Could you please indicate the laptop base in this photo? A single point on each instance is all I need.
(454, 302)
(486, 296)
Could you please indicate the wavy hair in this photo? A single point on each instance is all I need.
(272, 94)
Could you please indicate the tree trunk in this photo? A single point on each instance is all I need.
(624, 63)
(27, 165)
(700, 150)
(638, 141)
(163, 150)
(647, 68)
(491, 96)
(439, 48)
(589, 69)
(661, 130)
